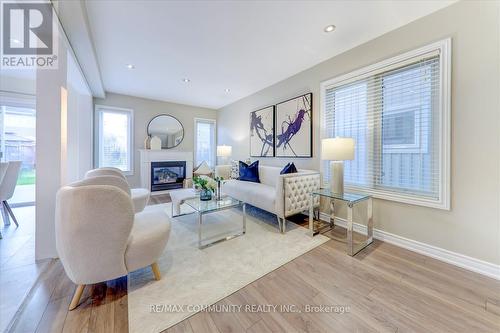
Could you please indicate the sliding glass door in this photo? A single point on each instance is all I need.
(18, 143)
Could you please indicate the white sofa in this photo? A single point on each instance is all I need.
(283, 195)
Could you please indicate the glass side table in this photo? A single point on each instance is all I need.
(351, 199)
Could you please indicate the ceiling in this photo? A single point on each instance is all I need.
(243, 46)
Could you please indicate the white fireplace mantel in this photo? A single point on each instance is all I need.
(164, 155)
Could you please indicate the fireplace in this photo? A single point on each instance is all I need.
(167, 175)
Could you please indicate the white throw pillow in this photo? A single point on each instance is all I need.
(235, 169)
(203, 169)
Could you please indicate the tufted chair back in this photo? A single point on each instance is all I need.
(108, 171)
(93, 225)
(111, 180)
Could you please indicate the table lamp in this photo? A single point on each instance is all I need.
(224, 152)
(337, 150)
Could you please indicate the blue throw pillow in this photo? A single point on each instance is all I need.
(249, 173)
(289, 168)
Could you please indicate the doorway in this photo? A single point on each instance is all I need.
(18, 143)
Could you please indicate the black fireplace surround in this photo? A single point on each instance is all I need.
(167, 175)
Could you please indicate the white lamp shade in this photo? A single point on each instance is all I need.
(224, 151)
(337, 149)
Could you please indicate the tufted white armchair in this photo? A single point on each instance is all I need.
(99, 237)
(283, 195)
(140, 196)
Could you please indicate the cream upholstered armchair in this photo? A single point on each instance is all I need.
(7, 187)
(99, 237)
(140, 196)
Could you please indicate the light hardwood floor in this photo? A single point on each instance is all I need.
(387, 289)
(18, 268)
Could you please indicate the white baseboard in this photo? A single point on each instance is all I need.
(457, 259)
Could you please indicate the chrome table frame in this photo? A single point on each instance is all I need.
(200, 223)
(180, 204)
(351, 248)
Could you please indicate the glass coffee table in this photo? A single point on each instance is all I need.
(212, 206)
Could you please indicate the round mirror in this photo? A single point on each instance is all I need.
(168, 129)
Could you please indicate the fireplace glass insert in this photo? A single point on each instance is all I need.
(167, 175)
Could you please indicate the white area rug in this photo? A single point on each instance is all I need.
(193, 277)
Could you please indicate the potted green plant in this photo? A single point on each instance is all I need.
(206, 185)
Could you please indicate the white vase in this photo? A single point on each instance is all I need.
(155, 143)
(147, 142)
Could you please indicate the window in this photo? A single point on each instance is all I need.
(398, 113)
(115, 138)
(204, 141)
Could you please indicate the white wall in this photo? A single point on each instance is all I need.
(85, 133)
(145, 110)
(18, 81)
(80, 133)
(472, 226)
(62, 155)
(48, 153)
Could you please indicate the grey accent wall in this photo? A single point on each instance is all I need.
(472, 227)
(145, 110)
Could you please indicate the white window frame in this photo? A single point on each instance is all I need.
(98, 118)
(444, 49)
(207, 120)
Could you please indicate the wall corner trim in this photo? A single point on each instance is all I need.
(453, 258)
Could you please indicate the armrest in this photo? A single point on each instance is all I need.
(293, 190)
(223, 171)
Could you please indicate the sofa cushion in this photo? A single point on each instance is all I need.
(269, 175)
(249, 173)
(256, 194)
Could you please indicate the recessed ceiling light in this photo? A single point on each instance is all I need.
(130, 66)
(186, 80)
(227, 90)
(15, 41)
(329, 28)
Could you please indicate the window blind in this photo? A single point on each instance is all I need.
(115, 138)
(393, 116)
(205, 142)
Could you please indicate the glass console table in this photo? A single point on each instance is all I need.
(351, 199)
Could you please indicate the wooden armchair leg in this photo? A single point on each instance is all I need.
(76, 297)
(156, 271)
